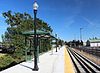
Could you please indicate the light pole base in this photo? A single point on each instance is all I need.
(35, 69)
(56, 49)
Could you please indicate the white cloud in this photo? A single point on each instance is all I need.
(89, 21)
(92, 23)
(0, 14)
(69, 21)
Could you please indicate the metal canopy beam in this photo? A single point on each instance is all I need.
(41, 34)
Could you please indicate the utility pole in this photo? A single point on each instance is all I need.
(81, 34)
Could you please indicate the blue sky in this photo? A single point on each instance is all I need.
(66, 17)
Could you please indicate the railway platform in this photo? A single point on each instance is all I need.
(50, 62)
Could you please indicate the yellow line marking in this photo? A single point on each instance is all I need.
(68, 67)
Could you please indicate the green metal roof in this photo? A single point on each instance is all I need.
(39, 32)
(95, 41)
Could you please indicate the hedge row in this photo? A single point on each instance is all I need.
(7, 61)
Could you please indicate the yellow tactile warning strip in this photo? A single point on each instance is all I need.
(68, 66)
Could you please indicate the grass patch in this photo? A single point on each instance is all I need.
(5, 60)
(1, 55)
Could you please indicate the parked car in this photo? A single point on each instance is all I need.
(10, 49)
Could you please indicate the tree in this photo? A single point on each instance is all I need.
(20, 22)
(3, 38)
(77, 43)
(17, 22)
(87, 43)
(74, 43)
(96, 38)
(81, 43)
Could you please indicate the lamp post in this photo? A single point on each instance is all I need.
(81, 34)
(56, 41)
(35, 7)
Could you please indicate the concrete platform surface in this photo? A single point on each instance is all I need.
(50, 62)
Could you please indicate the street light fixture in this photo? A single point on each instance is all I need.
(35, 7)
(56, 41)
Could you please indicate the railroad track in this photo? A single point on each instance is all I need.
(82, 64)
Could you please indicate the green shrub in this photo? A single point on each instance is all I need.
(5, 60)
(18, 55)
